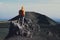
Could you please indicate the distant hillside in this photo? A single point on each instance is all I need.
(4, 24)
(3, 19)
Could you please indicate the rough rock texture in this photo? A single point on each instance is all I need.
(44, 28)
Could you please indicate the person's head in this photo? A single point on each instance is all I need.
(20, 12)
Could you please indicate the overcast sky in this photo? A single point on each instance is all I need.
(9, 8)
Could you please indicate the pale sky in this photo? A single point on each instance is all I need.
(9, 8)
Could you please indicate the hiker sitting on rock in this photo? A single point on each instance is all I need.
(21, 15)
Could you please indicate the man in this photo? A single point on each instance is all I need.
(21, 15)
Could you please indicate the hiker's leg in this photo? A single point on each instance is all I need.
(20, 21)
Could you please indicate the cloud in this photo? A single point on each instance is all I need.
(8, 10)
(50, 8)
(9, 1)
(1, 3)
(54, 1)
